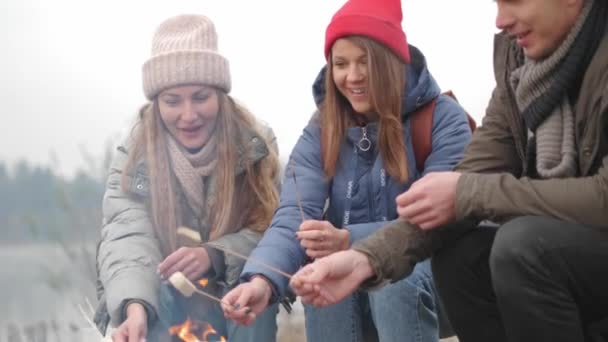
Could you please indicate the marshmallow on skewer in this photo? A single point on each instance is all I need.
(189, 233)
(182, 284)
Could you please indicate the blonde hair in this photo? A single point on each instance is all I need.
(386, 78)
(231, 210)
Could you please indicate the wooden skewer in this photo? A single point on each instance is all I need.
(272, 268)
(298, 194)
(191, 234)
(187, 288)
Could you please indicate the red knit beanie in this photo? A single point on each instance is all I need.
(377, 19)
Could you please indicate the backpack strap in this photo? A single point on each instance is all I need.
(421, 129)
(471, 121)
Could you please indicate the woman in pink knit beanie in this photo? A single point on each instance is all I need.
(196, 159)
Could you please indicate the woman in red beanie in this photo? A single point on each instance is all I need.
(352, 160)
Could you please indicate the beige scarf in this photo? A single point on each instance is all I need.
(193, 170)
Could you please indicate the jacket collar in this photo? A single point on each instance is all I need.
(251, 147)
(420, 87)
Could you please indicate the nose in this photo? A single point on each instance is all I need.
(504, 18)
(356, 73)
(189, 112)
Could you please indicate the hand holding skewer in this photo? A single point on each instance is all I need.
(188, 289)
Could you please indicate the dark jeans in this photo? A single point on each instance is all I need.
(532, 279)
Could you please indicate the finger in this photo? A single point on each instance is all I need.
(311, 225)
(312, 244)
(311, 235)
(170, 260)
(248, 320)
(315, 273)
(192, 271)
(320, 302)
(313, 292)
(326, 296)
(229, 300)
(245, 320)
(301, 288)
(134, 333)
(410, 211)
(297, 279)
(240, 305)
(408, 197)
(245, 299)
(180, 265)
(118, 335)
(431, 224)
(317, 253)
(306, 291)
(423, 217)
(303, 272)
(323, 298)
(309, 299)
(240, 315)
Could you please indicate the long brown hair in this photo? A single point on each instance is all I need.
(248, 200)
(386, 85)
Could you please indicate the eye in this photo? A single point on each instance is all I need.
(201, 97)
(339, 64)
(171, 101)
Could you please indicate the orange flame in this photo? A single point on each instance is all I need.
(190, 330)
(203, 282)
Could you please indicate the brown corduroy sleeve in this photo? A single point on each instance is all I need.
(394, 250)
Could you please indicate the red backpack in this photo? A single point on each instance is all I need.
(422, 127)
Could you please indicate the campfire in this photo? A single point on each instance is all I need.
(195, 331)
(192, 330)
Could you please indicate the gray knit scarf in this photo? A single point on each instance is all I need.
(192, 170)
(543, 88)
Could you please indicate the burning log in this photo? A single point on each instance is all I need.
(195, 331)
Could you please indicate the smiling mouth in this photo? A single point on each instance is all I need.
(190, 132)
(521, 35)
(357, 92)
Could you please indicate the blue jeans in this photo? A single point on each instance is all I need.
(405, 311)
(174, 310)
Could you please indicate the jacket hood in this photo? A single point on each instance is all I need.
(420, 86)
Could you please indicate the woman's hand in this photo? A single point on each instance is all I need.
(135, 327)
(321, 238)
(247, 300)
(193, 262)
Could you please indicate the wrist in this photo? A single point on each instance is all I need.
(345, 239)
(363, 268)
(203, 254)
(136, 308)
(263, 282)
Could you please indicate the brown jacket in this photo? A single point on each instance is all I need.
(494, 183)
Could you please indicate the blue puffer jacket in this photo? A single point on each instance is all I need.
(359, 174)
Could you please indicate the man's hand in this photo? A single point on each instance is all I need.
(329, 280)
(193, 262)
(321, 238)
(135, 327)
(431, 201)
(247, 300)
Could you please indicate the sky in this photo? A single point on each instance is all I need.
(70, 71)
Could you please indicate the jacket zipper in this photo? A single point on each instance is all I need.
(364, 145)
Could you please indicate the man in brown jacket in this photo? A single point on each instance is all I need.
(519, 231)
